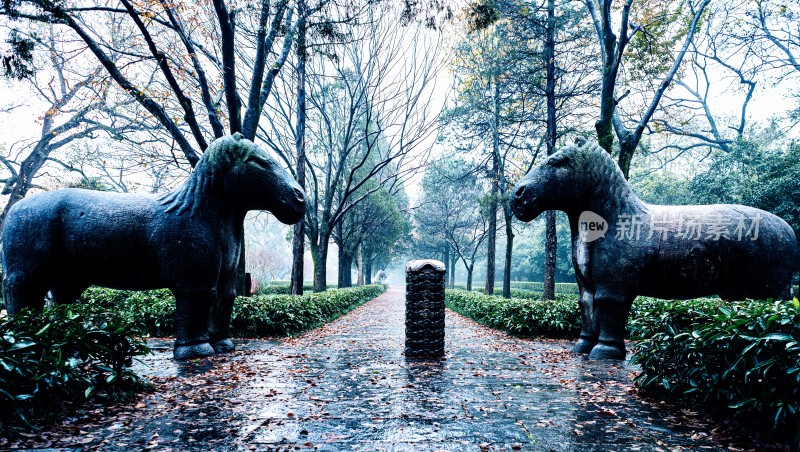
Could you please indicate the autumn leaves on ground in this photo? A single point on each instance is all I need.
(348, 386)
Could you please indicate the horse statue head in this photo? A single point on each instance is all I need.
(568, 180)
(235, 169)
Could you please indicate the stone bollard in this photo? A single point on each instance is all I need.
(425, 308)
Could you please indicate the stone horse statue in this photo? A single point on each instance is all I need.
(623, 247)
(188, 240)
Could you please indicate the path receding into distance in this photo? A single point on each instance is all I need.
(347, 386)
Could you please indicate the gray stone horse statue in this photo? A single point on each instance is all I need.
(188, 240)
(623, 247)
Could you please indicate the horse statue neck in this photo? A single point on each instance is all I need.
(608, 193)
(198, 194)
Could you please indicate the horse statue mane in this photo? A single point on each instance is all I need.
(602, 174)
(221, 156)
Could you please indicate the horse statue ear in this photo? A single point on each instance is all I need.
(237, 136)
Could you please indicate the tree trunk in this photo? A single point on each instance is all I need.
(320, 270)
(298, 240)
(453, 261)
(367, 269)
(549, 289)
(360, 267)
(446, 261)
(509, 250)
(627, 146)
(494, 174)
(348, 270)
(340, 280)
(612, 54)
(469, 277)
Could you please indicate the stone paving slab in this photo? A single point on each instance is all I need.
(347, 386)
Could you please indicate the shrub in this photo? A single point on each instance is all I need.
(522, 287)
(282, 315)
(521, 317)
(280, 288)
(153, 310)
(62, 357)
(260, 315)
(561, 288)
(739, 358)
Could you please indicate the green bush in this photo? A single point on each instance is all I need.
(281, 288)
(153, 310)
(259, 315)
(741, 359)
(58, 359)
(561, 288)
(283, 315)
(521, 317)
(522, 287)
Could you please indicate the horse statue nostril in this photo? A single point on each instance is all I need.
(299, 194)
(520, 190)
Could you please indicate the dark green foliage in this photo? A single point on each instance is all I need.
(755, 176)
(154, 310)
(55, 361)
(528, 289)
(739, 358)
(481, 14)
(529, 317)
(283, 288)
(561, 288)
(18, 63)
(261, 315)
(284, 315)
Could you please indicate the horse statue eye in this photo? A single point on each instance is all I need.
(266, 164)
(558, 161)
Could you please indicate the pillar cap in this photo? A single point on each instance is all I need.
(417, 265)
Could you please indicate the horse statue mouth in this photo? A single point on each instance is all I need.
(293, 211)
(522, 205)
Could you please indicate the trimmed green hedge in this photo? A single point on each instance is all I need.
(742, 359)
(283, 315)
(55, 361)
(283, 289)
(256, 316)
(521, 287)
(521, 317)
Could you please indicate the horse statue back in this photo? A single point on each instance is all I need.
(623, 247)
(188, 240)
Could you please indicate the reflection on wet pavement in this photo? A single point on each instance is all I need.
(347, 386)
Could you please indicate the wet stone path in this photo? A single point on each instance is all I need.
(347, 386)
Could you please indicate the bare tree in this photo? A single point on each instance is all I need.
(614, 49)
(370, 118)
(79, 104)
(448, 211)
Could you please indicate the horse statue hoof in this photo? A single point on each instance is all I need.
(184, 352)
(605, 351)
(223, 346)
(583, 347)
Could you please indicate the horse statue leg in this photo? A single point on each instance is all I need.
(192, 309)
(610, 315)
(219, 325)
(22, 291)
(588, 337)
